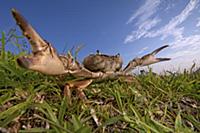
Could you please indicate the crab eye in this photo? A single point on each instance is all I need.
(98, 52)
(118, 54)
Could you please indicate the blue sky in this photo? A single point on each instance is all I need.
(129, 27)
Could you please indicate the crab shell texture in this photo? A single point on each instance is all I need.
(103, 63)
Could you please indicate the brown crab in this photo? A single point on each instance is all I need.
(45, 59)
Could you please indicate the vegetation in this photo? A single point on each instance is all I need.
(33, 102)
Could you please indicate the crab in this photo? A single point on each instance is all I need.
(46, 60)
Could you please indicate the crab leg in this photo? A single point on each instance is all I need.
(78, 85)
(145, 60)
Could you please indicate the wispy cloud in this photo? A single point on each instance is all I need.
(198, 23)
(172, 28)
(143, 29)
(190, 42)
(145, 20)
(145, 11)
(168, 4)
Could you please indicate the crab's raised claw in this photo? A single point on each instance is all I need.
(159, 49)
(78, 85)
(34, 38)
(151, 59)
(44, 58)
(145, 60)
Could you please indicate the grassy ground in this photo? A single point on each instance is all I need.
(32, 102)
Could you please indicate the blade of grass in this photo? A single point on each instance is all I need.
(178, 123)
(62, 110)
(13, 109)
(119, 100)
(10, 118)
(3, 43)
(161, 126)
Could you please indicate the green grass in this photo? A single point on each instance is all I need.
(33, 102)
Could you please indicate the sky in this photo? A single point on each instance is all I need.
(132, 28)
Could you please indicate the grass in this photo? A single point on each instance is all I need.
(33, 102)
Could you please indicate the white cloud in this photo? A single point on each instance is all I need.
(198, 23)
(145, 20)
(189, 42)
(168, 4)
(185, 47)
(143, 29)
(172, 27)
(145, 11)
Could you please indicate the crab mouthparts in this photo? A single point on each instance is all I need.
(24, 61)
